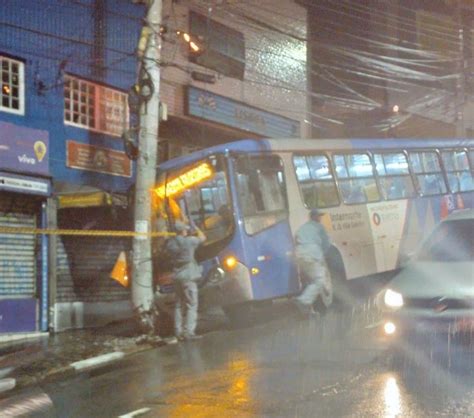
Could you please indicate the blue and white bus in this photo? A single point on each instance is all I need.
(379, 198)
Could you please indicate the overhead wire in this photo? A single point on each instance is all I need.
(373, 13)
(414, 62)
(375, 20)
(428, 58)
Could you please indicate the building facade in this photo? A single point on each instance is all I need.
(247, 80)
(66, 70)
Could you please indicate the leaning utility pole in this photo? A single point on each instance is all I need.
(460, 101)
(149, 86)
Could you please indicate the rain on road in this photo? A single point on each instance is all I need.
(281, 366)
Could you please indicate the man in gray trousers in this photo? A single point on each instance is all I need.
(311, 244)
(187, 272)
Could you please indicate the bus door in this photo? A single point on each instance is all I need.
(266, 235)
(198, 193)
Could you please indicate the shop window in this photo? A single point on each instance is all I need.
(394, 176)
(12, 98)
(224, 48)
(458, 172)
(356, 178)
(316, 181)
(428, 174)
(95, 107)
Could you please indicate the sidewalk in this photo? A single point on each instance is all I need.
(32, 361)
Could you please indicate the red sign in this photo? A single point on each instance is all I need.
(98, 159)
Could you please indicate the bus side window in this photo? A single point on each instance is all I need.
(427, 170)
(395, 180)
(316, 181)
(458, 171)
(356, 178)
(261, 191)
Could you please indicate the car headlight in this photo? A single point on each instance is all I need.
(393, 299)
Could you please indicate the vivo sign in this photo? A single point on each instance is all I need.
(24, 150)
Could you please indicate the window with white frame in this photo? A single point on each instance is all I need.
(95, 107)
(12, 80)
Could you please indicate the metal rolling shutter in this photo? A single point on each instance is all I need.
(17, 256)
(84, 265)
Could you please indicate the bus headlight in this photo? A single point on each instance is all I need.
(393, 299)
(230, 263)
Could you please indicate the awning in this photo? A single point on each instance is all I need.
(84, 200)
(201, 132)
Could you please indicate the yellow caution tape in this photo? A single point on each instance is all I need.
(81, 232)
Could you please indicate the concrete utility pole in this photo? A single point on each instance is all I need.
(149, 82)
(460, 101)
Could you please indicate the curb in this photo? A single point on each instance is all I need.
(7, 384)
(97, 361)
(70, 370)
(18, 337)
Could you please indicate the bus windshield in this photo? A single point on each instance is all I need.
(198, 192)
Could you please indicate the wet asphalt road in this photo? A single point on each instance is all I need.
(280, 366)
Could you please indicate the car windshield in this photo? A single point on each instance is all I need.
(451, 241)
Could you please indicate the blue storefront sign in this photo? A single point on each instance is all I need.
(24, 150)
(220, 109)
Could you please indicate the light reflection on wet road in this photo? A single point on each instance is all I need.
(285, 367)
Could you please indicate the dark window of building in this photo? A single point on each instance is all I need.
(224, 48)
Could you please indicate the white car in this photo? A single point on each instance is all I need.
(434, 292)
